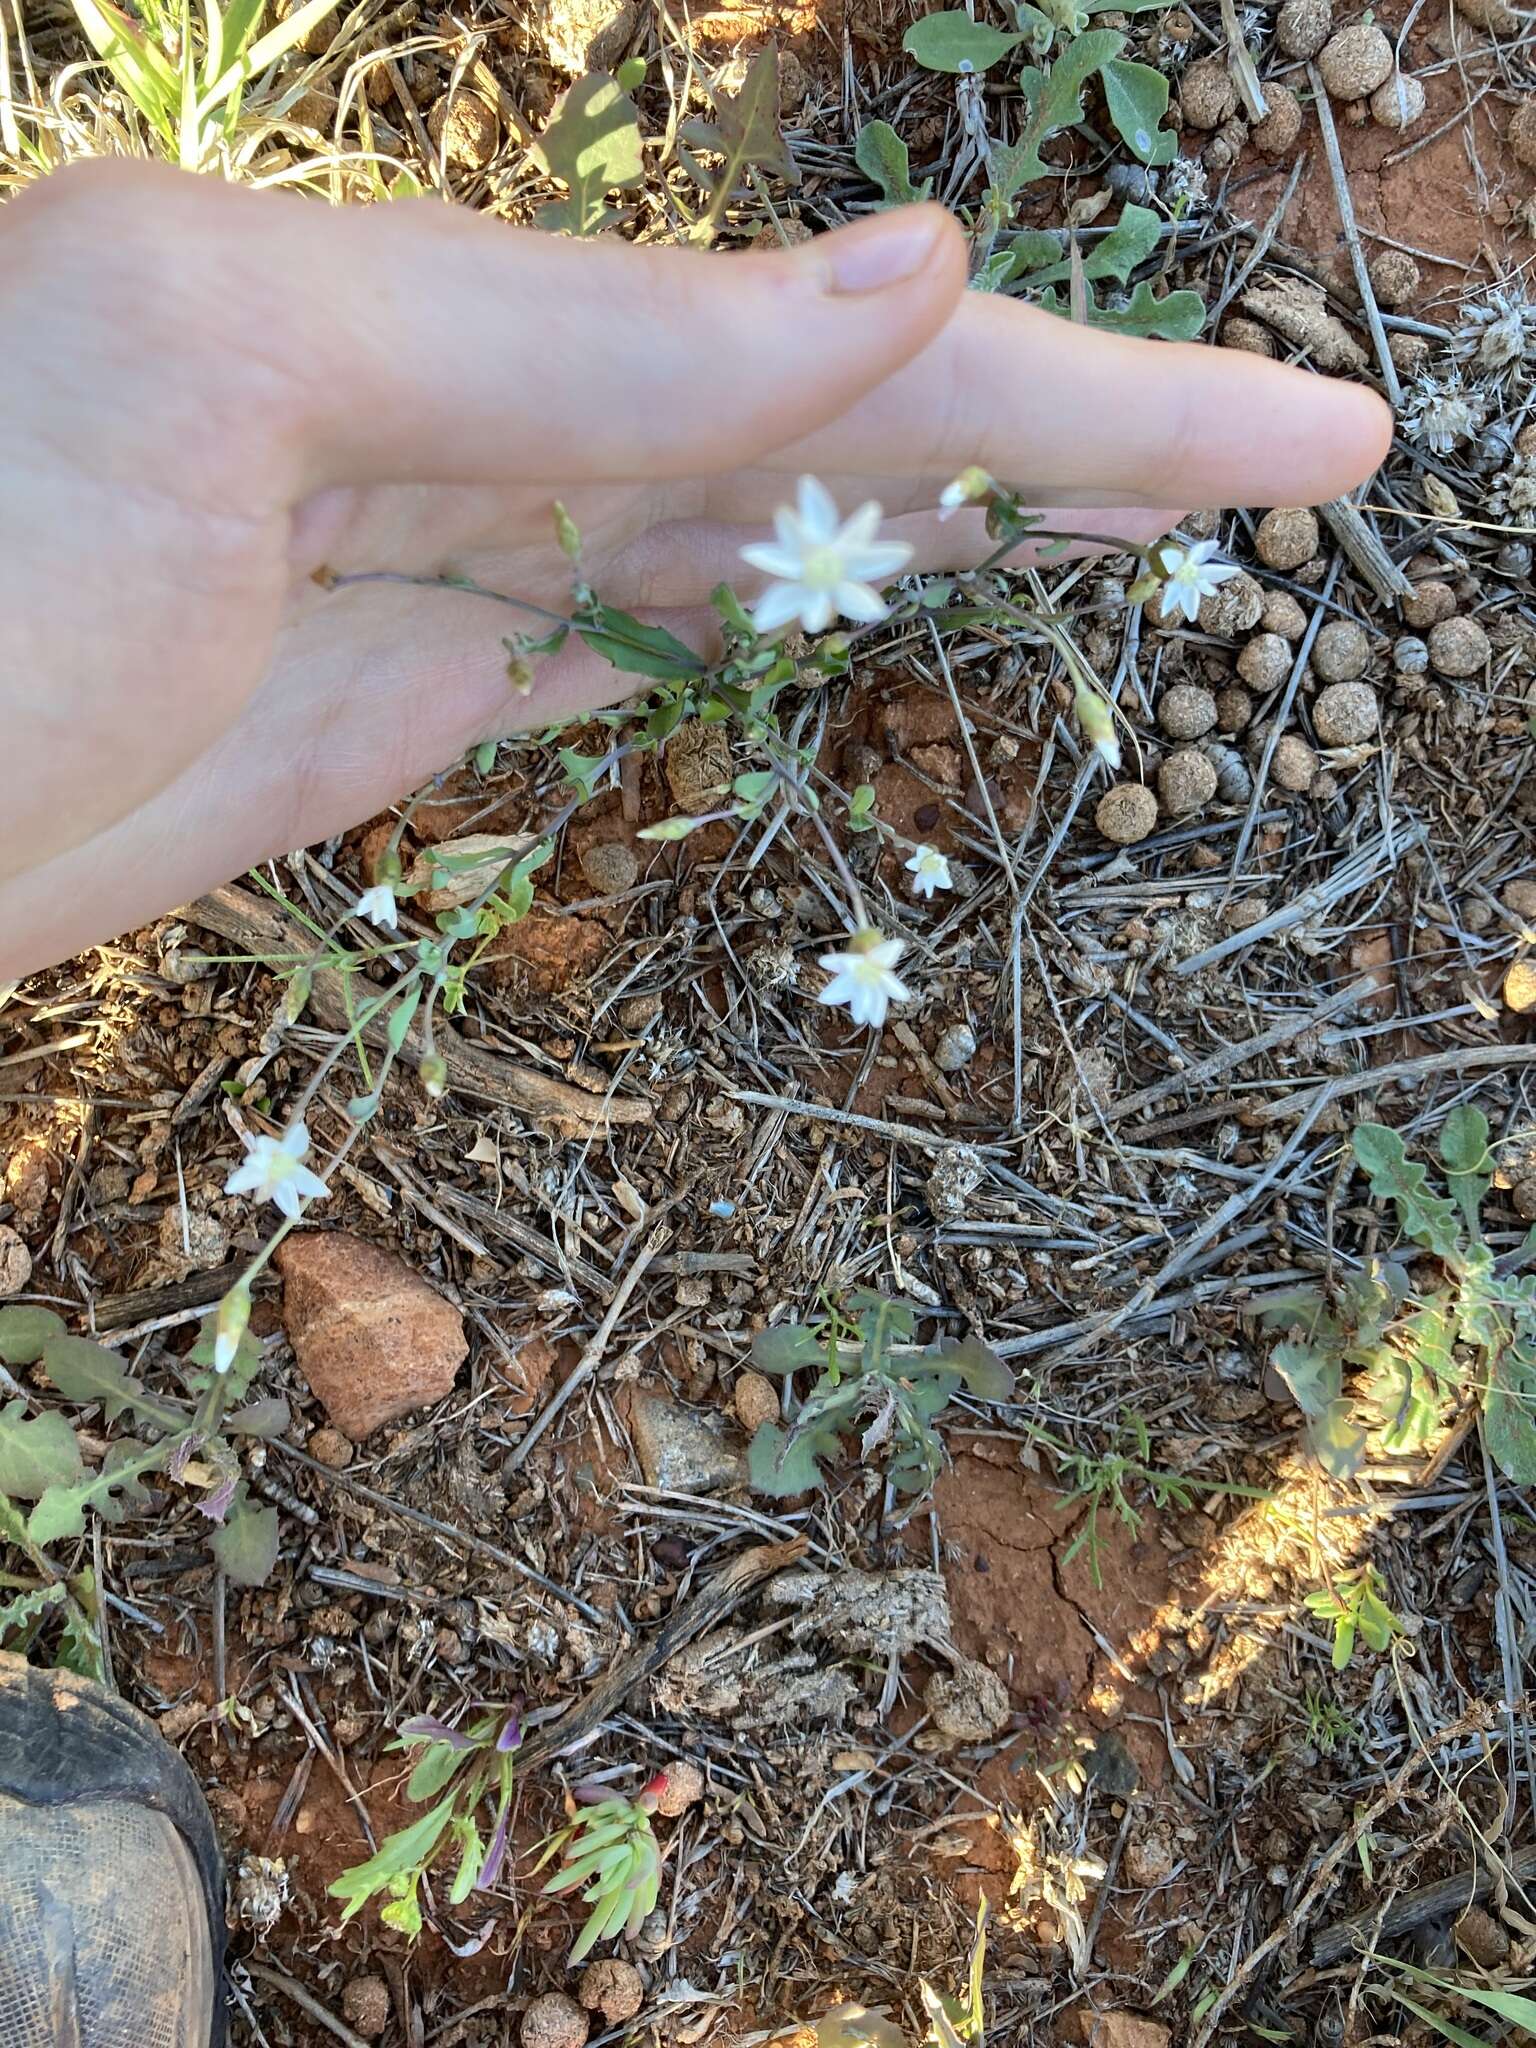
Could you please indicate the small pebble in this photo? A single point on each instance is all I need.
(1186, 712)
(15, 1261)
(1398, 102)
(554, 2021)
(615, 1989)
(1521, 132)
(1345, 715)
(1303, 26)
(1458, 647)
(1234, 778)
(1234, 707)
(1276, 134)
(1232, 609)
(1126, 813)
(1294, 765)
(1185, 782)
(684, 1788)
(610, 868)
(956, 1048)
(1430, 602)
(1520, 987)
(466, 128)
(1395, 277)
(1287, 537)
(1410, 655)
(1283, 614)
(1520, 897)
(754, 1401)
(1355, 61)
(329, 1447)
(1207, 94)
(365, 2006)
(1265, 663)
(1249, 335)
(1341, 652)
(1514, 560)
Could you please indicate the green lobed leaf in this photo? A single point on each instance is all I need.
(1055, 103)
(1178, 316)
(745, 130)
(36, 1455)
(1337, 1441)
(786, 1348)
(952, 42)
(1312, 1372)
(1508, 1403)
(592, 145)
(779, 1465)
(1467, 1161)
(1130, 241)
(983, 1372)
(886, 161)
(245, 1543)
(1136, 97)
(1429, 1219)
(83, 1371)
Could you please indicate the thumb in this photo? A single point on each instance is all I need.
(442, 346)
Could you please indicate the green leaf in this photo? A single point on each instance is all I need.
(1446, 2029)
(953, 42)
(402, 1016)
(435, 1766)
(267, 1417)
(779, 1465)
(1137, 99)
(25, 1333)
(1055, 102)
(1508, 1405)
(1177, 317)
(245, 1544)
(1131, 241)
(983, 1372)
(745, 130)
(885, 160)
(60, 1513)
(1429, 1219)
(582, 770)
(1313, 1375)
(140, 67)
(35, 1455)
(637, 649)
(787, 1348)
(592, 145)
(671, 828)
(1337, 1441)
(1468, 1162)
(399, 1856)
(83, 1371)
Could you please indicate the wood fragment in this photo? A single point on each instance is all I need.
(1362, 1931)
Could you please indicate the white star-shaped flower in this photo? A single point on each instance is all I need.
(378, 905)
(274, 1171)
(863, 979)
(929, 870)
(823, 568)
(1189, 574)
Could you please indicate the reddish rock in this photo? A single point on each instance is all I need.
(372, 1339)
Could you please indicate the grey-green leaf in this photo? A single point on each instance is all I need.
(25, 1333)
(1178, 317)
(953, 42)
(592, 145)
(35, 1455)
(1507, 1416)
(786, 1349)
(778, 1465)
(885, 160)
(1129, 242)
(245, 1544)
(1055, 102)
(1137, 99)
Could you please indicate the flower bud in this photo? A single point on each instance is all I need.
(234, 1315)
(434, 1074)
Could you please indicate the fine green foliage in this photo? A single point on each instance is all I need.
(592, 145)
(899, 1397)
(1464, 1323)
(186, 71)
(611, 1854)
(468, 1774)
(48, 1491)
(1355, 1608)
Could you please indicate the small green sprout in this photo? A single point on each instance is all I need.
(467, 1766)
(611, 1851)
(862, 1376)
(1355, 1607)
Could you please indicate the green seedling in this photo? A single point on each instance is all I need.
(1464, 1322)
(897, 1395)
(609, 1852)
(467, 1774)
(1355, 1608)
(48, 1491)
(952, 2022)
(187, 70)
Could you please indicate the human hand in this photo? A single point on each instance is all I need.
(212, 392)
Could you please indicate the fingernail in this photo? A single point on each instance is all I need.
(879, 253)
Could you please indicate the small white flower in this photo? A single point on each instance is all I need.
(929, 870)
(823, 569)
(378, 905)
(863, 977)
(274, 1171)
(968, 488)
(1189, 574)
